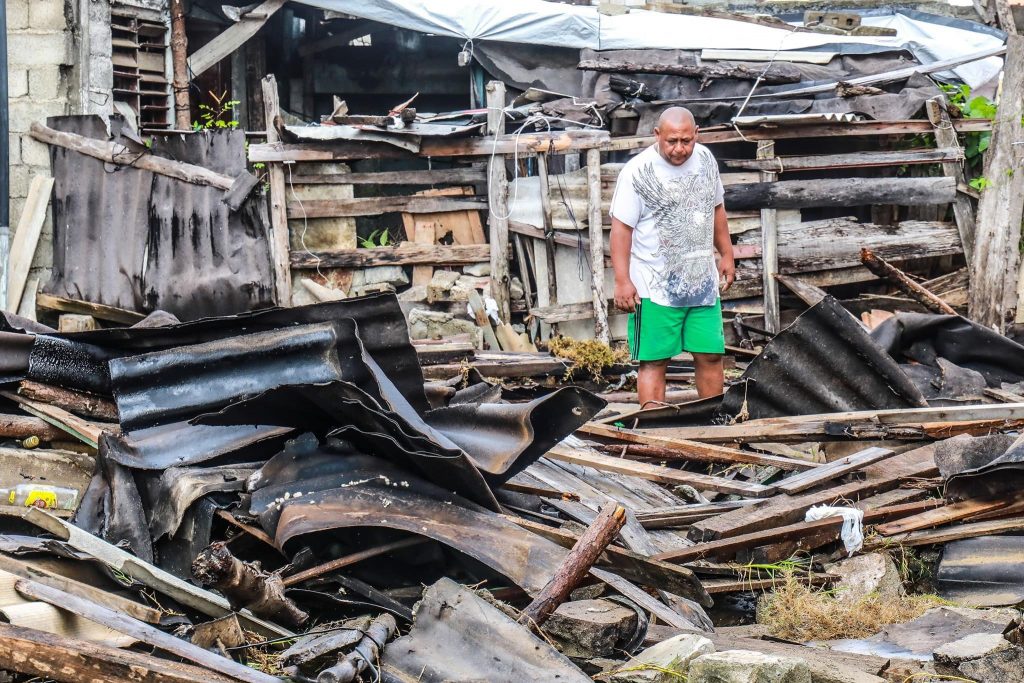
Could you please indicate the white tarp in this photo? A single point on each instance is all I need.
(536, 22)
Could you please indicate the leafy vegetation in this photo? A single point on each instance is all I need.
(974, 144)
(220, 116)
(377, 238)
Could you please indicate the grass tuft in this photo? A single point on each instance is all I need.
(590, 356)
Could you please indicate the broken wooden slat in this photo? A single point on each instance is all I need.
(84, 430)
(641, 597)
(227, 41)
(886, 270)
(101, 311)
(78, 402)
(820, 162)
(26, 238)
(833, 470)
(952, 512)
(946, 140)
(953, 533)
(353, 558)
(437, 176)
(71, 660)
(683, 515)
(122, 623)
(808, 293)
(280, 240)
(664, 475)
(373, 206)
(694, 450)
(403, 255)
(778, 73)
(717, 586)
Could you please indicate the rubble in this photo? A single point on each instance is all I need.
(741, 666)
(587, 629)
(665, 661)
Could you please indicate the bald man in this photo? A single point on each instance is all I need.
(668, 220)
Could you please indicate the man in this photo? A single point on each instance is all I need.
(667, 221)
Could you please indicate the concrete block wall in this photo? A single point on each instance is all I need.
(40, 58)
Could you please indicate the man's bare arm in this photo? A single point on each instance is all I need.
(621, 243)
(726, 264)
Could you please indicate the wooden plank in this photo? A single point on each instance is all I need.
(82, 429)
(663, 475)
(122, 623)
(769, 248)
(821, 162)
(227, 41)
(841, 192)
(833, 470)
(403, 255)
(101, 311)
(784, 509)
(115, 153)
(953, 533)
(71, 660)
(694, 450)
(886, 270)
(440, 176)
(424, 236)
(772, 74)
(750, 585)
(596, 231)
(558, 238)
(952, 512)
(280, 242)
(373, 206)
(994, 270)
(498, 208)
(808, 293)
(947, 141)
(191, 596)
(26, 238)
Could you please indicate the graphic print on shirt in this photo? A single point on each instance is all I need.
(683, 209)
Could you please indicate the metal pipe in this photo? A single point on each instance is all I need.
(5, 160)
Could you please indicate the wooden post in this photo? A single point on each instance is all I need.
(280, 246)
(769, 248)
(594, 223)
(179, 66)
(1005, 17)
(996, 254)
(497, 195)
(946, 138)
(576, 564)
(549, 230)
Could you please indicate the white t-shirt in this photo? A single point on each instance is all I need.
(672, 212)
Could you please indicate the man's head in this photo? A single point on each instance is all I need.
(676, 133)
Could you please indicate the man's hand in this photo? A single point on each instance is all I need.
(726, 270)
(626, 297)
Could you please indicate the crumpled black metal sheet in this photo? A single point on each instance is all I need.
(982, 572)
(181, 444)
(1001, 477)
(129, 238)
(170, 495)
(824, 362)
(924, 338)
(458, 636)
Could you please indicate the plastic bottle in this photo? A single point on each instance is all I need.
(40, 495)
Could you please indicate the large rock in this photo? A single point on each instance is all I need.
(427, 324)
(591, 628)
(863, 575)
(1005, 666)
(664, 662)
(744, 666)
(974, 646)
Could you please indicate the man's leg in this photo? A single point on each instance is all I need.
(710, 374)
(650, 381)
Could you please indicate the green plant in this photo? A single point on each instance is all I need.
(974, 144)
(377, 238)
(213, 116)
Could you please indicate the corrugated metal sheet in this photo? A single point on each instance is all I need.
(824, 362)
(128, 238)
(983, 572)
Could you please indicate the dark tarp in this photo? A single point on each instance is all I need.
(133, 239)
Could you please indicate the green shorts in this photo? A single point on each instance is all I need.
(659, 332)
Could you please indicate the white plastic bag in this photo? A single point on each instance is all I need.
(853, 524)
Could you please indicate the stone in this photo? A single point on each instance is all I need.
(477, 269)
(376, 275)
(516, 290)
(666, 661)
(47, 15)
(466, 284)
(745, 666)
(999, 667)
(974, 646)
(440, 284)
(863, 575)
(416, 293)
(590, 628)
(375, 288)
(44, 82)
(427, 324)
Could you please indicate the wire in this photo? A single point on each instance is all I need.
(305, 221)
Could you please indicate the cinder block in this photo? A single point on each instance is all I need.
(14, 148)
(45, 82)
(47, 15)
(24, 111)
(27, 49)
(17, 83)
(19, 181)
(17, 206)
(17, 14)
(35, 153)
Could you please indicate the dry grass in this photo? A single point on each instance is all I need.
(796, 611)
(263, 658)
(590, 356)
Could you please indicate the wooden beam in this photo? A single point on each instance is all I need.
(808, 293)
(405, 254)
(663, 475)
(229, 40)
(948, 142)
(994, 268)
(778, 73)
(280, 242)
(79, 428)
(833, 470)
(953, 533)
(114, 153)
(886, 270)
(179, 66)
(769, 248)
(596, 231)
(694, 450)
(1005, 16)
(374, 206)
(557, 238)
(951, 512)
(26, 238)
(498, 210)
(101, 311)
(438, 176)
(823, 162)
(798, 194)
(71, 660)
